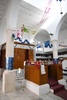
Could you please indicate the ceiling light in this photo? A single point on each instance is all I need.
(51, 34)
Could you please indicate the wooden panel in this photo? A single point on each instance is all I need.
(52, 72)
(27, 73)
(20, 55)
(59, 72)
(19, 58)
(31, 74)
(30, 55)
(55, 71)
(36, 75)
(44, 77)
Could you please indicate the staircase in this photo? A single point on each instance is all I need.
(59, 89)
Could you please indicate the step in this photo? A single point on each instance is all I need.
(52, 82)
(57, 87)
(62, 94)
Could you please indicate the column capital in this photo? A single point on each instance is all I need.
(54, 41)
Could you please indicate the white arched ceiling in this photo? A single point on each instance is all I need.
(3, 6)
(62, 28)
(42, 36)
(62, 25)
(62, 33)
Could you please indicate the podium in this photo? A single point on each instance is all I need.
(33, 74)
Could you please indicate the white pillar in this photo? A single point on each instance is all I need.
(12, 16)
(34, 54)
(9, 44)
(55, 50)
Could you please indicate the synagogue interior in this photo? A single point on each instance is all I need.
(33, 50)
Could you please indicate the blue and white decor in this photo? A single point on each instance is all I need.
(13, 36)
(9, 63)
(55, 60)
(47, 44)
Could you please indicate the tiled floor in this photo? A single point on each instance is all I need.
(22, 93)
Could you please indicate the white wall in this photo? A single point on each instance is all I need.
(62, 35)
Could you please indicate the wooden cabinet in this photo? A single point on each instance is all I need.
(20, 55)
(19, 58)
(32, 73)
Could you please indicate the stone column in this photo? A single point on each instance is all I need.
(55, 51)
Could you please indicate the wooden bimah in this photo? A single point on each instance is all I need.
(32, 73)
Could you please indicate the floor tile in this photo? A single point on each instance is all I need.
(21, 93)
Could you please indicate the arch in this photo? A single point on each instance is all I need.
(59, 25)
(42, 35)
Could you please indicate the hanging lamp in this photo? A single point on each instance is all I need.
(60, 6)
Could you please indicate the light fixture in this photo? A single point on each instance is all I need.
(59, 0)
(51, 34)
(60, 6)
